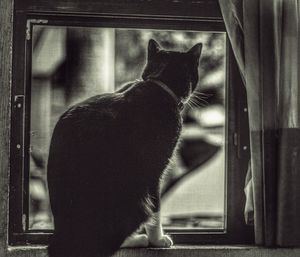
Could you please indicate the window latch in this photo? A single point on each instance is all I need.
(19, 101)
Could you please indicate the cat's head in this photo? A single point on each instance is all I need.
(178, 70)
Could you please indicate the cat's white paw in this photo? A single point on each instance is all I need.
(136, 240)
(144, 241)
(165, 242)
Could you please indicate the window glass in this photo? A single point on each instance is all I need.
(73, 63)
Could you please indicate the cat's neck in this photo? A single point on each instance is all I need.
(168, 90)
(165, 88)
(176, 85)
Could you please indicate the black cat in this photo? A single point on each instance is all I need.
(107, 156)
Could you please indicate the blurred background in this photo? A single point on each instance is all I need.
(72, 63)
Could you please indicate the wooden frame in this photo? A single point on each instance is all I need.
(173, 16)
(6, 30)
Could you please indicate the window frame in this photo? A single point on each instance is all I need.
(236, 138)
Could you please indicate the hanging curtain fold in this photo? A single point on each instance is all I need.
(265, 38)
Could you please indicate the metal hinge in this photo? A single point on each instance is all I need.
(238, 144)
(19, 101)
(29, 23)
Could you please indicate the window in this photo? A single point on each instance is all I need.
(209, 172)
(71, 63)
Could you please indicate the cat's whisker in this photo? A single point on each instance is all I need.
(199, 101)
(192, 103)
(200, 95)
(189, 105)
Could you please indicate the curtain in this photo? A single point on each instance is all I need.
(265, 38)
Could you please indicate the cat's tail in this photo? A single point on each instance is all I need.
(68, 248)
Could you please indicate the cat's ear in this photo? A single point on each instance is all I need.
(195, 51)
(153, 48)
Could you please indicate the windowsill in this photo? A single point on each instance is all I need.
(177, 251)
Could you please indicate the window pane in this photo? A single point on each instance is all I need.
(70, 64)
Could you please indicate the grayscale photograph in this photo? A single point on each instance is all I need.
(149, 128)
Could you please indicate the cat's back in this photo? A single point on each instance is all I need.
(140, 106)
(104, 106)
(123, 127)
